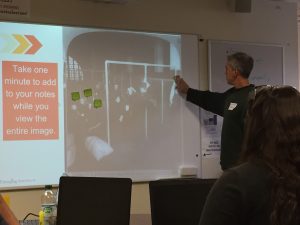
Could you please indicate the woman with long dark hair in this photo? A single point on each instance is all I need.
(264, 189)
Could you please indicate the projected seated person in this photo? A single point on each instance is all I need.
(7, 217)
(265, 188)
(231, 104)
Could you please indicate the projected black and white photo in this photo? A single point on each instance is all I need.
(138, 119)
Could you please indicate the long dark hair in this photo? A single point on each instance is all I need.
(272, 137)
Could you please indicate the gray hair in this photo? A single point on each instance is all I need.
(242, 62)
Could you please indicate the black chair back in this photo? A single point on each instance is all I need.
(178, 201)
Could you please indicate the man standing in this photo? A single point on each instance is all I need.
(231, 105)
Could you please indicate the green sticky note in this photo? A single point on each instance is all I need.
(97, 103)
(88, 92)
(75, 96)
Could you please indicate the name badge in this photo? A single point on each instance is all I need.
(232, 106)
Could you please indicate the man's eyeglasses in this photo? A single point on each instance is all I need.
(253, 93)
(252, 96)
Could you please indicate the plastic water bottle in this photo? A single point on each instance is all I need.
(48, 200)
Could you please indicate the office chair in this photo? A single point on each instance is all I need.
(178, 201)
(94, 200)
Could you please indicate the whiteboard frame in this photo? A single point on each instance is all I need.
(190, 144)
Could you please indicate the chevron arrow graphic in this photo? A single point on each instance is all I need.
(35, 44)
(23, 44)
(27, 44)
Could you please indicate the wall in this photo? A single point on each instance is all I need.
(269, 22)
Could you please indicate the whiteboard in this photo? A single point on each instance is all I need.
(268, 69)
(268, 63)
(123, 114)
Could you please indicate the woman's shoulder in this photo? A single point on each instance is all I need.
(249, 168)
(249, 173)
